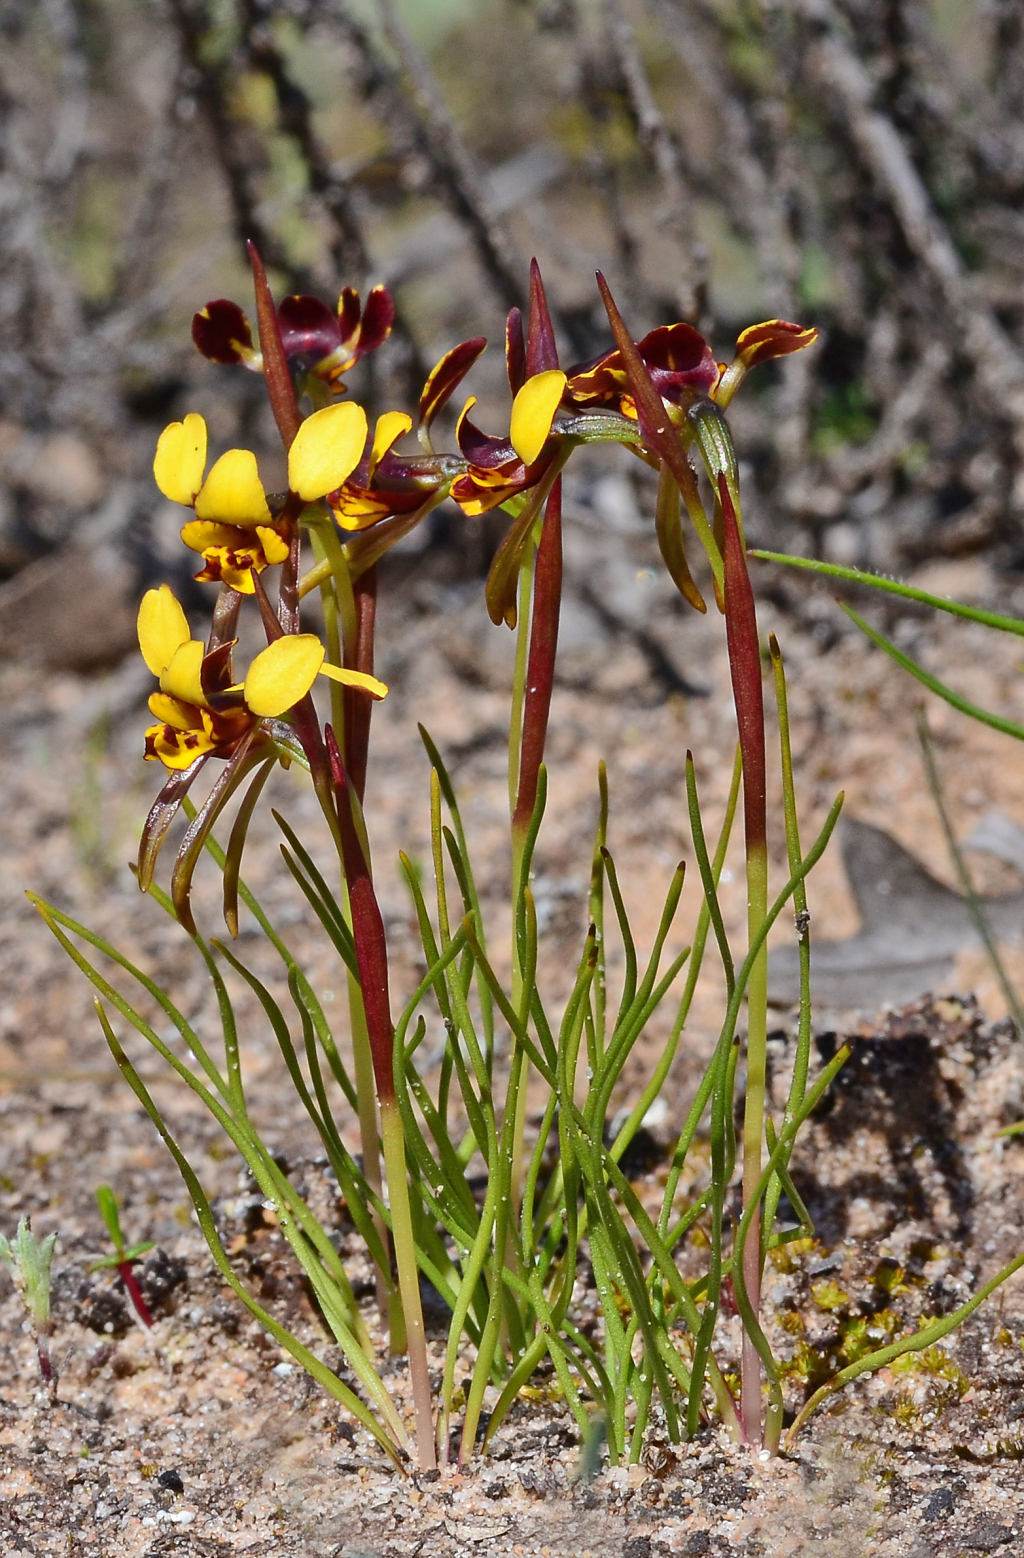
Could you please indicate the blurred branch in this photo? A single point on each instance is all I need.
(458, 176)
(677, 214)
(213, 82)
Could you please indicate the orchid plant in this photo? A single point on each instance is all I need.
(506, 1266)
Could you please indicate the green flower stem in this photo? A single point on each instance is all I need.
(393, 1138)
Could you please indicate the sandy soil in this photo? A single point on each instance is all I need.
(199, 1435)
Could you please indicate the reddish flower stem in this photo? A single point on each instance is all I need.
(359, 707)
(280, 388)
(748, 695)
(134, 1292)
(367, 930)
(655, 424)
(745, 670)
(540, 673)
(372, 962)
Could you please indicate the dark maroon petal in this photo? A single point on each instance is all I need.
(308, 328)
(541, 351)
(515, 350)
(349, 313)
(378, 317)
(678, 357)
(215, 673)
(222, 332)
(446, 377)
(481, 449)
(594, 362)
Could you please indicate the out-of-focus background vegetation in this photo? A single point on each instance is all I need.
(859, 165)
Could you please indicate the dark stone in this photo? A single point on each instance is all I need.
(495, 1490)
(159, 1276)
(171, 1480)
(637, 1547)
(939, 1505)
(697, 1544)
(725, 1491)
(102, 1310)
(986, 1534)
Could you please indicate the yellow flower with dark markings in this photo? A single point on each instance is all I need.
(235, 529)
(200, 711)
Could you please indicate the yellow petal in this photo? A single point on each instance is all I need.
(200, 534)
(163, 628)
(233, 492)
(181, 459)
(181, 679)
(274, 549)
(171, 711)
(533, 411)
(282, 674)
(361, 679)
(388, 431)
(326, 449)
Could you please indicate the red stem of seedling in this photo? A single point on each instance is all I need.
(540, 672)
(358, 707)
(46, 1373)
(134, 1292)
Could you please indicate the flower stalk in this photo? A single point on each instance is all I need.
(748, 695)
(372, 960)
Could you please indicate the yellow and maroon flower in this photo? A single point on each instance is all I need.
(679, 360)
(389, 493)
(235, 530)
(320, 345)
(682, 366)
(200, 711)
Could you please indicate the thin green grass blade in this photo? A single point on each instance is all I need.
(1008, 727)
(876, 581)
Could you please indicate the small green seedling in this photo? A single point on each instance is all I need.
(28, 1261)
(122, 1258)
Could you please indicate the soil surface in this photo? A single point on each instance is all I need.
(200, 1435)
